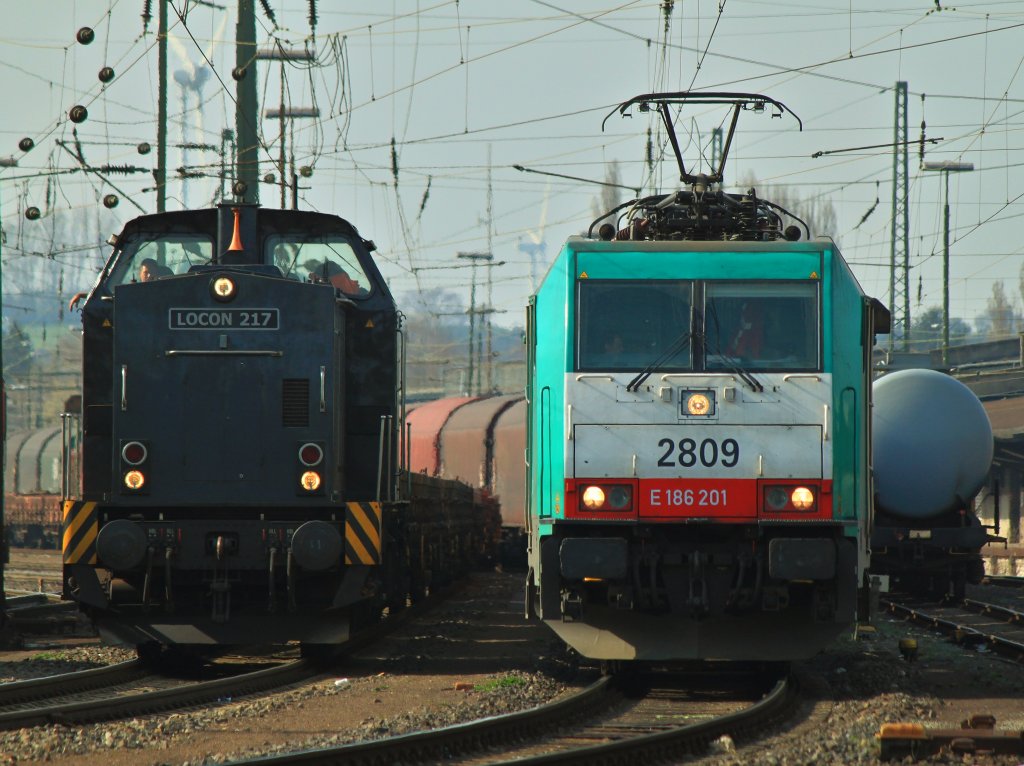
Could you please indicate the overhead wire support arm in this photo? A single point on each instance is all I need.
(634, 189)
(107, 181)
(890, 145)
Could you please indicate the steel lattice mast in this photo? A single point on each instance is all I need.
(899, 261)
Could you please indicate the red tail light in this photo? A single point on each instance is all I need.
(134, 453)
(310, 454)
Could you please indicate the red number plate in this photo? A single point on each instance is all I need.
(698, 498)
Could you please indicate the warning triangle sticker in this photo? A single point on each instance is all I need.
(369, 323)
(583, 275)
(106, 323)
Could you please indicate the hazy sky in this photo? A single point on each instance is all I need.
(528, 83)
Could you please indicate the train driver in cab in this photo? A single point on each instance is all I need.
(149, 270)
(748, 340)
(330, 272)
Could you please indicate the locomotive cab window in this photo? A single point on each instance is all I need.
(158, 256)
(327, 259)
(762, 325)
(629, 325)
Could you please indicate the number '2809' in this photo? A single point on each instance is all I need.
(708, 452)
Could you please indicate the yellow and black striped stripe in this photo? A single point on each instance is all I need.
(362, 533)
(81, 525)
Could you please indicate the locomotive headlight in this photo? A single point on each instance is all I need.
(802, 499)
(620, 497)
(775, 498)
(310, 481)
(697, 402)
(593, 498)
(223, 288)
(134, 479)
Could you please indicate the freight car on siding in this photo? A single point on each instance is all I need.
(699, 388)
(242, 465)
(933, 452)
(32, 488)
(478, 440)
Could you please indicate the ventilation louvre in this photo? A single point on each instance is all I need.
(295, 403)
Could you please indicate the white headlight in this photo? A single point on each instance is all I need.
(223, 288)
(802, 499)
(134, 479)
(593, 497)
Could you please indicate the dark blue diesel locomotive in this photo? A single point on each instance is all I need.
(241, 439)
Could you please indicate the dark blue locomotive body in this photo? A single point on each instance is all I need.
(241, 438)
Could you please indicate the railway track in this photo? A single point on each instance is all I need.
(38, 613)
(1004, 581)
(969, 622)
(612, 721)
(132, 689)
(33, 580)
(129, 689)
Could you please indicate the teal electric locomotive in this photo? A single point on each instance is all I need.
(699, 428)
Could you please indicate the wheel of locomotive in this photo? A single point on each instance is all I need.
(531, 598)
(395, 578)
(958, 582)
(367, 612)
(419, 573)
(179, 659)
(975, 571)
(419, 584)
(319, 654)
(150, 653)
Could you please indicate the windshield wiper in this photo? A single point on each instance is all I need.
(736, 369)
(678, 345)
(743, 374)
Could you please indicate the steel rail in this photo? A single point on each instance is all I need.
(961, 632)
(1005, 613)
(32, 689)
(441, 744)
(49, 617)
(144, 703)
(468, 738)
(1004, 581)
(26, 601)
(682, 741)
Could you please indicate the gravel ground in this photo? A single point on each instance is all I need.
(474, 657)
(51, 661)
(859, 685)
(478, 657)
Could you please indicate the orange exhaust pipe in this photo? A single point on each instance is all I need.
(236, 236)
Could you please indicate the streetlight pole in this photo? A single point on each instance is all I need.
(474, 340)
(5, 162)
(946, 168)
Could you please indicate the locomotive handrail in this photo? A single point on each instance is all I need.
(595, 377)
(790, 376)
(667, 375)
(221, 352)
(70, 426)
(323, 388)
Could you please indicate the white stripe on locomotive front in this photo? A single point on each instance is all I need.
(781, 432)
